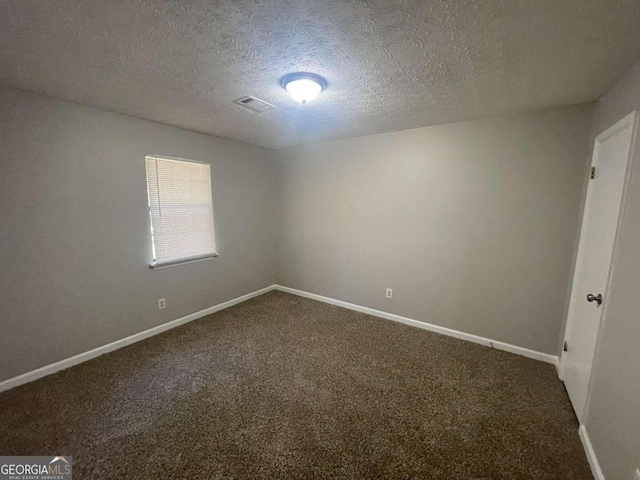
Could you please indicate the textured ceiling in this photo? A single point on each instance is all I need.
(390, 65)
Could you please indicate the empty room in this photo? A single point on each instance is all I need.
(302, 239)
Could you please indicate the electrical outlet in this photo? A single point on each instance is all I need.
(389, 293)
(637, 474)
(162, 303)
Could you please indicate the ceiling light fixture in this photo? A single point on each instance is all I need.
(303, 87)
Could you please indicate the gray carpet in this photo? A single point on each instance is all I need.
(286, 387)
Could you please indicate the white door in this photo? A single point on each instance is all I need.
(599, 225)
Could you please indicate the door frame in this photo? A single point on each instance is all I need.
(629, 120)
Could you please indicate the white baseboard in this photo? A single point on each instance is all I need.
(83, 357)
(544, 357)
(591, 454)
(557, 363)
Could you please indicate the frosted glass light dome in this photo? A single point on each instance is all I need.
(304, 87)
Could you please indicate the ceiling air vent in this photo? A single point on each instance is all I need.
(254, 104)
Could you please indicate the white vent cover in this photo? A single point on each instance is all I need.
(254, 104)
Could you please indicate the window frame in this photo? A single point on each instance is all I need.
(154, 264)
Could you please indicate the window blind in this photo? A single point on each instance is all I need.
(181, 210)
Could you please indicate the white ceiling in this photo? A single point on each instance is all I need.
(390, 65)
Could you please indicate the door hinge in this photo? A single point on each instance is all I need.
(593, 172)
(565, 347)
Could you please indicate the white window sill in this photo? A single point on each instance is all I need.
(181, 261)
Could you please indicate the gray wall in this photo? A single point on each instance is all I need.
(472, 224)
(74, 237)
(613, 410)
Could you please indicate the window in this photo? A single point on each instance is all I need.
(181, 211)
